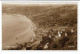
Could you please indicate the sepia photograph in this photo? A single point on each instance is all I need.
(39, 26)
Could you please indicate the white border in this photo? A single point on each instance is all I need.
(40, 51)
(38, 2)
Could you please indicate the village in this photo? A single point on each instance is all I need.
(53, 36)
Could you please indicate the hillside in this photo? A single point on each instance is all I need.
(46, 15)
(62, 16)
